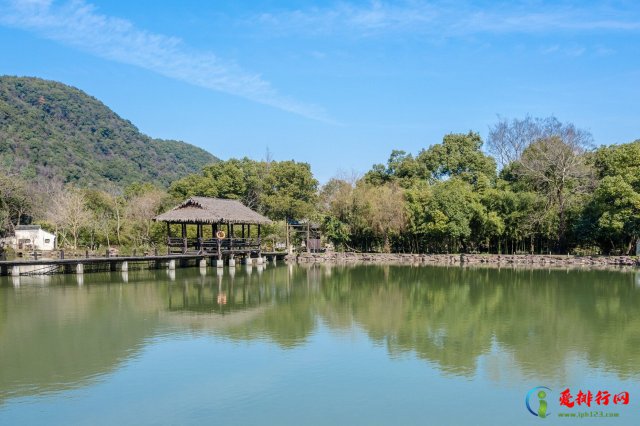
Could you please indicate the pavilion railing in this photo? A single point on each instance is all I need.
(211, 245)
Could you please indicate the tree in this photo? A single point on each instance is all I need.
(16, 203)
(69, 214)
(289, 191)
(458, 155)
(613, 216)
(401, 168)
(140, 210)
(508, 139)
(387, 212)
(557, 168)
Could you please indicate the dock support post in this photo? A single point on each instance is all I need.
(219, 263)
(248, 260)
(79, 269)
(125, 266)
(232, 262)
(203, 263)
(15, 271)
(172, 265)
(259, 260)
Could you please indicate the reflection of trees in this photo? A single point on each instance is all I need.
(57, 337)
(451, 315)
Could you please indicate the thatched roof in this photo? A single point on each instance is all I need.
(212, 210)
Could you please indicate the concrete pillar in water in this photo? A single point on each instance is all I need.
(274, 259)
(15, 270)
(259, 260)
(172, 274)
(172, 265)
(265, 260)
(203, 263)
(248, 260)
(125, 267)
(232, 263)
(79, 269)
(220, 263)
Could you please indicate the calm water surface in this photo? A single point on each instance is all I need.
(294, 345)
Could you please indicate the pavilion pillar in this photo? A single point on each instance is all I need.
(184, 238)
(259, 244)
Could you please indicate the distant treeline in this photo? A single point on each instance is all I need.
(539, 187)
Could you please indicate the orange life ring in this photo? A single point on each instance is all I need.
(220, 234)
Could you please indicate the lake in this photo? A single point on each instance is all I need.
(306, 345)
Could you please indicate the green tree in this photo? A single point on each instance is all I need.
(290, 191)
(458, 155)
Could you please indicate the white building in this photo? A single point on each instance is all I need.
(33, 237)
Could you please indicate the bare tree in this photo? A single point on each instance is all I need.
(556, 166)
(69, 214)
(139, 214)
(508, 139)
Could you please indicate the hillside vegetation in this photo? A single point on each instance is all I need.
(51, 130)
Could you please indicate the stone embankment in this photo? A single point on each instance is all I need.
(465, 259)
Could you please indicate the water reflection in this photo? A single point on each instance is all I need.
(55, 335)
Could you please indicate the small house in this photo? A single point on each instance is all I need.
(33, 237)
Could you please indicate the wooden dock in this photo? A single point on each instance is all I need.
(80, 265)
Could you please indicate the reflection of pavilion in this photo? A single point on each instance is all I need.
(219, 295)
(212, 321)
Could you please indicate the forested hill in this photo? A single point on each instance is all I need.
(48, 129)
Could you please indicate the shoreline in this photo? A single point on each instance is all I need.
(527, 260)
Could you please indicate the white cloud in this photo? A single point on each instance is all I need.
(447, 19)
(78, 24)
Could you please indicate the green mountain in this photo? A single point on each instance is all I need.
(51, 130)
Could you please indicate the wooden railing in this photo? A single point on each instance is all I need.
(212, 245)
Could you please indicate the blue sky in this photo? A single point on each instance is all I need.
(334, 83)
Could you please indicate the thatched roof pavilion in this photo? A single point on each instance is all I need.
(216, 212)
(205, 210)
